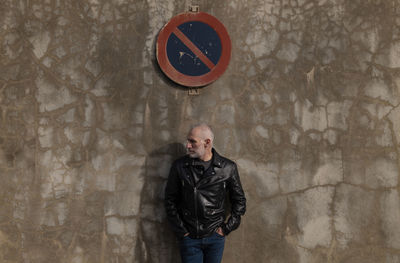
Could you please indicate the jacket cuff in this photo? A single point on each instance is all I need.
(225, 230)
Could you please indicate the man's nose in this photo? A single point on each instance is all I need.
(188, 145)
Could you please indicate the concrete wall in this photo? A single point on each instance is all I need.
(308, 107)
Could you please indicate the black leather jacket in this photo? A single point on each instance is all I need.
(199, 209)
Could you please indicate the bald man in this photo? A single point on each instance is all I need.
(197, 187)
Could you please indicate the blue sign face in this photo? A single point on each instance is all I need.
(189, 60)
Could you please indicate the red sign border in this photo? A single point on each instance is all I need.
(186, 80)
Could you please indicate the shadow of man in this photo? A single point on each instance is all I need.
(156, 241)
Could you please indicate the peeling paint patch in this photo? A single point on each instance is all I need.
(40, 43)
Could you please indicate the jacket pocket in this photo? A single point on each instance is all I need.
(214, 212)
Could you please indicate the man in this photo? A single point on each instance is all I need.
(195, 198)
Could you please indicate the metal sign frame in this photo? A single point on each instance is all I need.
(172, 28)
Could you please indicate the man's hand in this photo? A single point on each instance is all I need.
(219, 231)
(186, 234)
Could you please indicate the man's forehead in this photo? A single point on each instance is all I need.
(195, 130)
(195, 133)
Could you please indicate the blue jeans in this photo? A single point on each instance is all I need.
(203, 250)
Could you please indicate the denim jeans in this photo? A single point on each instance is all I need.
(203, 250)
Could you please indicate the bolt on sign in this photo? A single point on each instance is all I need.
(193, 49)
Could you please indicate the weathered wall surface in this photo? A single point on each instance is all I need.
(309, 109)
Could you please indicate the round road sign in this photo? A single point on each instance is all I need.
(193, 49)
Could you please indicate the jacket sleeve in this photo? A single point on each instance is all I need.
(238, 202)
(172, 200)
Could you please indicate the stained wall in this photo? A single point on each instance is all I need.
(308, 108)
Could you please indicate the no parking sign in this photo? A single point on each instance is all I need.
(193, 49)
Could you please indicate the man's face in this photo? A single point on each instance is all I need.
(195, 145)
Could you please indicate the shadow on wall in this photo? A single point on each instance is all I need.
(156, 241)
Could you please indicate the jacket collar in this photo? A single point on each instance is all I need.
(217, 160)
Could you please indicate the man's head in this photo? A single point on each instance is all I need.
(200, 142)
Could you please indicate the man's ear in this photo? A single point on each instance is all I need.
(208, 142)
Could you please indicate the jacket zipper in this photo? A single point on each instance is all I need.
(195, 211)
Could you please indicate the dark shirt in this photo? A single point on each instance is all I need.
(199, 169)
